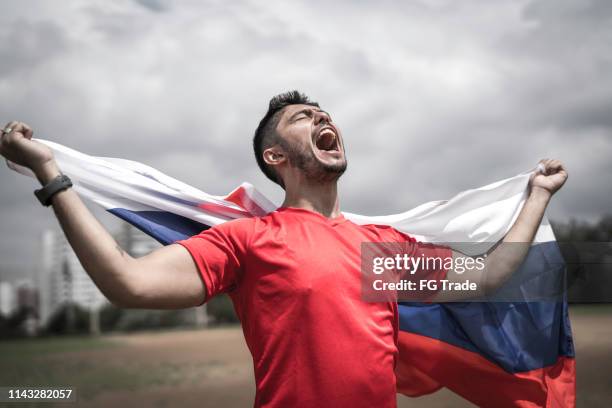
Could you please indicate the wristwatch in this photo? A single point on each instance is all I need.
(60, 183)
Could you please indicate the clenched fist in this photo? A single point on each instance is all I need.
(16, 145)
(550, 178)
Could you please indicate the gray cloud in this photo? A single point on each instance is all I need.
(154, 5)
(433, 97)
(28, 45)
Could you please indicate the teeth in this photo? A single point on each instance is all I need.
(326, 140)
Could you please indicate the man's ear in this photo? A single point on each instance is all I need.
(274, 155)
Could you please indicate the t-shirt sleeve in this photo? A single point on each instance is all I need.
(219, 254)
(433, 265)
(434, 257)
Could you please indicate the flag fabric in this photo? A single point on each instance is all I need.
(494, 354)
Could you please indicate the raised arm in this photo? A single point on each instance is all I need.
(502, 261)
(167, 278)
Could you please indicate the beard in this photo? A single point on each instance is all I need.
(305, 160)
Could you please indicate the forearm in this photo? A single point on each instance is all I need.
(511, 252)
(105, 262)
(507, 256)
(530, 217)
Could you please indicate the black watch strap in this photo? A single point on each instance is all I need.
(56, 185)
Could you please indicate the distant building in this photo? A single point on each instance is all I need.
(8, 299)
(62, 279)
(28, 303)
(27, 295)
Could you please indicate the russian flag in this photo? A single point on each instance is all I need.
(494, 354)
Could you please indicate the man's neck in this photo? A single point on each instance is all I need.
(317, 197)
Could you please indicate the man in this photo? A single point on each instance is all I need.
(293, 275)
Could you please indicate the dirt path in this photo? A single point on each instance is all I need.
(211, 368)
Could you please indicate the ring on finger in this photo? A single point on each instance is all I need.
(7, 130)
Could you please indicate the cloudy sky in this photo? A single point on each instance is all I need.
(433, 97)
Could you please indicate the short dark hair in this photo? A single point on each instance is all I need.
(265, 134)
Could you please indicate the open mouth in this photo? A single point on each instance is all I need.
(327, 140)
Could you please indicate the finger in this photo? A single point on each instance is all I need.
(555, 167)
(19, 127)
(541, 167)
(9, 126)
(543, 162)
(15, 126)
(12, 131)
(16, 132)
(548, 166)
(27, 131)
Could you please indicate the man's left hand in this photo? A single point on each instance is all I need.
(550, 178)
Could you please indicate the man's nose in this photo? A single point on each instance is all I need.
(321, 116)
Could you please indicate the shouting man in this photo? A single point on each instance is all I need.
(294, 275)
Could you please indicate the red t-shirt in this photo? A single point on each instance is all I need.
(294, 277)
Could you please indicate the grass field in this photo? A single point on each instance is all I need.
(210, 368)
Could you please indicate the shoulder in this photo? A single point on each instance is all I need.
(234, 231)
(245, 228)
(237, 226)
(386, 233)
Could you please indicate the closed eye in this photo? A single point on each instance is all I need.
(307, 114)
(303, 114)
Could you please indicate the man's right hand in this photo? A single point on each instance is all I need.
(17, 146)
